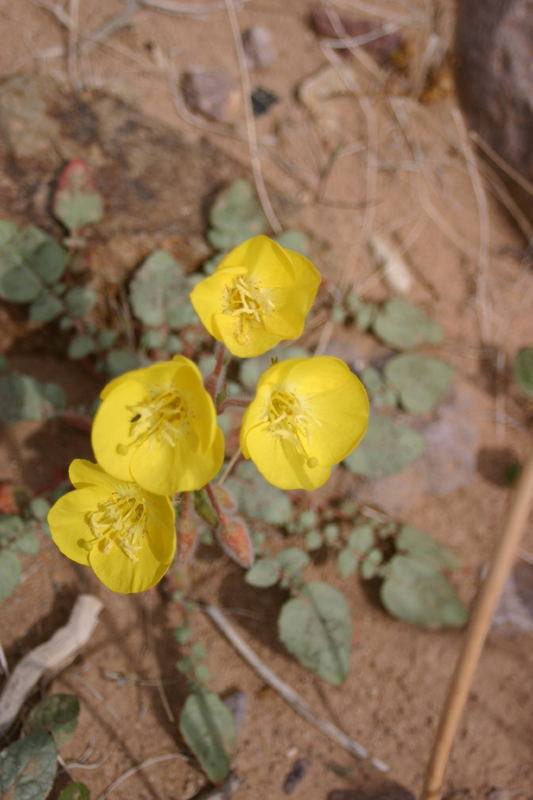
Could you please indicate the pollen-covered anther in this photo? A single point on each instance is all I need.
(120, 521)
(158, 417)
(289, 420)
(247, 304)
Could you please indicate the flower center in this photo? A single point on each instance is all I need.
(158, 417)
(288, 419)
(121, 521)
(247, 304)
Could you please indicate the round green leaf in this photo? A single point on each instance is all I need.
(291, 560)
(118, 361)
(10, 571)
(202, 673)
(421, 382)
(55, 395)
(420, 545)
(80, 301)
(46, 308)
(77, 201)
(30, 764)
(265, 572)
(523, 370)
(331, 533)
(387, 448)
(159, 293)
(403, 326)
(371, 564)
(294, 240)
(361, 538)
(347, 563)
(57, 714)
(19, 285)
(75, 791)
(11, 526)
(27, 544)
(415, 592)
(182, 635)
(81, 346)
(208, 727)
(256, 498)
(20, 399)
(313, 541)
(238, 212)
(317, 629)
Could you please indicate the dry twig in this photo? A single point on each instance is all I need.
(138, 768)
(486, 603)
(289, 695)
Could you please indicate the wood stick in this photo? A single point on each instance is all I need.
(487, 601)
(289, 695)
(52, 656)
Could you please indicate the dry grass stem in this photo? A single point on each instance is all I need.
(503, 165)
(289, 695)
(250, 124)
(485, 606)
(96, 694)
(187, 10)
(150, 762)
(230, 466)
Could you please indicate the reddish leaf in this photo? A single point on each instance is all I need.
(77, 201)
(234, 538)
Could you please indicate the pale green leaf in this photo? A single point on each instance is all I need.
(80, 301)
(265, 572)
(523, 370)
(420, 545)
(10, 572)
(403, 326)
(57, 715)
(347, 563)
(420, 382)
(208, 727)
(29, 766)
(387, 448)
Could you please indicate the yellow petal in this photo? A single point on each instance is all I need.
(343, 417)
(265, 260)
(111, 434)
(208, 296)
(160, 527)
(84, 473)
(122, 575)
(257, 341)
(279, 462)
(68, 521)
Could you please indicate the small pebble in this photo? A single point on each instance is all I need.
(259, 48)
(296, 775)
(207, 92)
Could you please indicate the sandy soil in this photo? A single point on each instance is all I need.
(420, 194)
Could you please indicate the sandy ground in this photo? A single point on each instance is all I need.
(403, 171)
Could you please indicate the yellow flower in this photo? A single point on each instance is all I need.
(308, 414)
(158, 427)
(123, 532)
(258, 296)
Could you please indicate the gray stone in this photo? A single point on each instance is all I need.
(495, 80)
(515, 611)
(207, 92)
(259, 48)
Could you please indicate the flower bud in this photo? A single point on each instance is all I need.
(186, 540)
(225, 500)
(234, 538)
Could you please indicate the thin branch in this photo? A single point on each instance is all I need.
(503, 165)
(138, 768)
(230, 466)
(289, 695)
(73, 43)
(250, 124)
(184, 9)
(487, 601)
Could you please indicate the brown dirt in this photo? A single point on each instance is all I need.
(392, 699)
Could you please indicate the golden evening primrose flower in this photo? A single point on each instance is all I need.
(158, 427)
(123, 532)
(259, 295)
(308, 414)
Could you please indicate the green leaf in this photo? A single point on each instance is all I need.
(106, 339)
(19, 285)
(523, 370)
(27, 544)
(77, 201)
(75, 791)
(256, 498)
(371, 564)
(313, 540)
(237, 212)
(198, 651)
(208, 727)
(347, 563)
(202, 673)
(317, 629)
(294, 240)
(420, 545)
(118, 361)
(54, 395)
(10, 571)
(331, 533)
(159, 293)
(80, 301)
(265, 572)
(361, 538)
(11, 526)
(81, 346)
(20, 399)
(43, 255)
(182, 635)
(57, 715)
(365, 316)
(251, 369)
(421, 382)
(403, 326)
(29, 765)
(46, 308)
(415, 592)
(372, 381)
(387, 448)
(185, 665)
(291, 560)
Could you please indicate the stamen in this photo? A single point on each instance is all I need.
(247, 304)
(289, 421)
(159, 417)
(121, 521)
